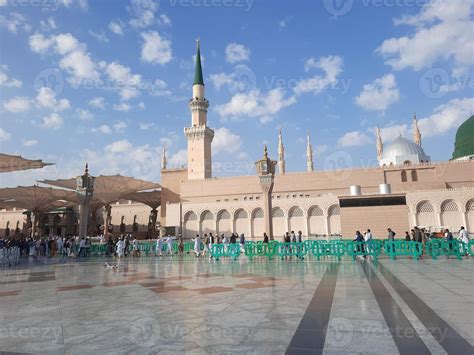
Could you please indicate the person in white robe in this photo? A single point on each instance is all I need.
(169, 242)
(120, 248)
(464, 238)
(158, 246)
(197, 244)
(225, 241)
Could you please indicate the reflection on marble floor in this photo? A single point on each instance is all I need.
(183, 305)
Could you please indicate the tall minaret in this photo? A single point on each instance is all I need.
(163, 158)
(309, 154)
(281, 155)
(199, 135)
(379, 144)
(416, 131)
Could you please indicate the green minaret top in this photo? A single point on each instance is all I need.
(198, 70)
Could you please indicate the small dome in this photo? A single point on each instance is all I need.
(464, 143)
(403, 151)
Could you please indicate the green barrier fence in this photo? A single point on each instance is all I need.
(470, 247)
(259, 249)
(403, 248)
(291, 249)
(371, 248)
(319, 249)
(436, 248)
(225, 250)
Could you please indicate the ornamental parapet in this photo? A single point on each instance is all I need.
(198, 132)
(198, 104)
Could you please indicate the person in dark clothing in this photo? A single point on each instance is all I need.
(407, 236)
(265, 238)
(359, 238)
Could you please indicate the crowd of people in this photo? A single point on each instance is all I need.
(127, 245)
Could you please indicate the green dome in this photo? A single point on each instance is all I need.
(464, 144)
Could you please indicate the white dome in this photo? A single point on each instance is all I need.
(402, 151)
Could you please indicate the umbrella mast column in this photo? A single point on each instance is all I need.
(84, 190)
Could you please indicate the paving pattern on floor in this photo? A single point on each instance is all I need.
(187, 305)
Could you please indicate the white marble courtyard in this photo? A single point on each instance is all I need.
(183, 305)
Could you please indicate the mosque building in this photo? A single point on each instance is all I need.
(405, 190)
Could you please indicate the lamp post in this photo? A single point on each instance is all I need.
(84, 190)
(266, 173)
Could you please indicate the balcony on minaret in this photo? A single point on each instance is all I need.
(198, 107)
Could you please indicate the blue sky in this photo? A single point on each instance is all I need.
(108, 81)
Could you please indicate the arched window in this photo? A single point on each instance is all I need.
(278, 212)
(404, 176)
(407, 162)
(296, 212)
(240, 214)
(414, 175)
(315, 211)
(190, 216)
(223, 214)
(257, 213)
(207, 216)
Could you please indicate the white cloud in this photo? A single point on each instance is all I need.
(29, 142)
(242, 79)
(164, 19)
(170, 138)
(39, 43)
(121, 146)
(65, 43)
(53, 121)
(255, 104)
(146, 125)
(155, 49)
(379, 94)
(99, 36)
(48, 24)
(332, 68)
(235, 52)
(97, 102)
(124, 79)
(17, 104)
(104, 129)
(80, 66)
(14, 21)
(446, 117)
(120, 126)
(75, 59)
(442, 30)
(116, 27)
(143, 13)
(178, 159)
(46, 98)
(354, 139)
(4, 135)
(221, 79)
(3, 3)
(83, 4)
(225, 141)
(123, 107)
(84, 115)
(6, 81)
